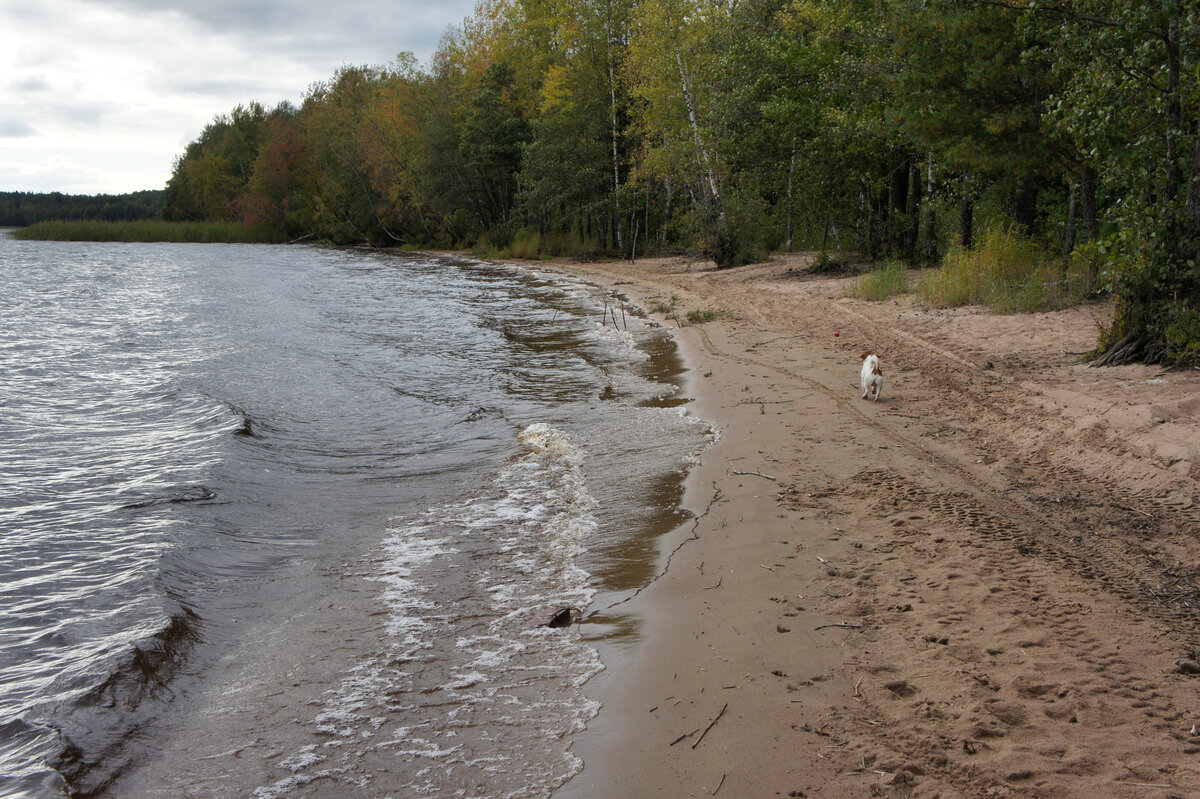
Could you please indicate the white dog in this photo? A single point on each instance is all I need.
(871, 376)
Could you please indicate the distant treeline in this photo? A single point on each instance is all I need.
(19, 208)
(894, 128)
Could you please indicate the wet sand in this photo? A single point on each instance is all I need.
(985, 584)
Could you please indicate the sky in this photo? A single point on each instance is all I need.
(101, 96)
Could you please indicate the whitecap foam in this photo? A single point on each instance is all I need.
(461, 585)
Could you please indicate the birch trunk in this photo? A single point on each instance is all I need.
(931, 242)
(612, 92)
(689, 101)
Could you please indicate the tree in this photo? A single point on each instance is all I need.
(215, 168)
(1132, 100)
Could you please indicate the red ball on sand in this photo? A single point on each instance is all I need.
(836, 333)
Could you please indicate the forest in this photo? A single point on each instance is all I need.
(21, 208)
(903, 131)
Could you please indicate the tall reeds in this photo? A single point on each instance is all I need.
(151, 230)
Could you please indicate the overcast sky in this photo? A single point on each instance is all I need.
(100, 96)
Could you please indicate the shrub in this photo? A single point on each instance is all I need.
(887, 280)
(526, 243)
(1007, 273)
(1182, 335)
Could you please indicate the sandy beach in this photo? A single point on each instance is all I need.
(983, 585)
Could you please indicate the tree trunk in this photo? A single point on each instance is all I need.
(966, 213)
(912, 235)
(791, 175)
(1193, 195)
(1068, 245)
(897, 206)
(931, 243)
(662, 236)
(1024, 204)
(612, 93)
(1090, 222)
(689, 101)
(1175, 125)
(868, 202)
(1087, 202)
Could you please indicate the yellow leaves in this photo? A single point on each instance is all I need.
(809, 16)
(557, 94)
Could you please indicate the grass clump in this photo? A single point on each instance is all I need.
(526, 244)
(663, 307)
(701, 315)
(1007, 273)
(886, 280)
(826, 264)
(151, 230)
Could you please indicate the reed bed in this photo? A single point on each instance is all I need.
(152, 230)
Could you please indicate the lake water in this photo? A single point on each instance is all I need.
(283, 521)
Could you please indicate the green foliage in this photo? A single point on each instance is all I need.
(205, 232)
(825, 263)
(663, 307)
(1182, 335)
(884, 129)
(216, 167)
(526, 243)
(700, 315)
(1008, 273)
(1130, 100)
(745, 233)
(885, 281)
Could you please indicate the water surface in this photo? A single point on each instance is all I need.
(282, 521)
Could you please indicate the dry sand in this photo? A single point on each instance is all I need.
(984, 585)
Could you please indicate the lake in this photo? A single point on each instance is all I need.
(288, 521)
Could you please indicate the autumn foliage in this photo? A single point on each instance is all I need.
(899, 129)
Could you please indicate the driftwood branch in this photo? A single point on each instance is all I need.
(756, 474)
(710, 725)
(1132, 510)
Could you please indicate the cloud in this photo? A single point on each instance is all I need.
(15, 129)
(90, 78)
(71, 176)
(351, 31)
(33, 84)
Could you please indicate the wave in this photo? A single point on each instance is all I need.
(94, 725)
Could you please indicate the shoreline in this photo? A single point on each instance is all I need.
(636, 692)
(950, 592)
